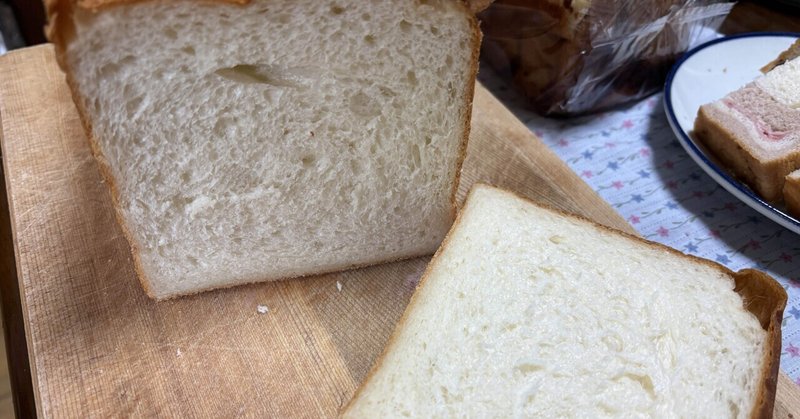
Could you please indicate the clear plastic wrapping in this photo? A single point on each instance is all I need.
(578, 56)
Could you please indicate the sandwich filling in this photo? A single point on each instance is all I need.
(773, 121)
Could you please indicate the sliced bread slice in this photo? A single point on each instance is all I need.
(272, 139)
(529, 312)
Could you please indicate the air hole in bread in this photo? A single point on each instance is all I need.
(363, 105)
(412, 78)
(337, 10)
(415, 156)
(366, 16)
(221, 127)
(434, 30)
(355, 167)
(405, 26)
(108, 70)
(132, 106)
(387, 92)
(369, 39)
(188, 50)
(275, 75)
(170, 33)
(308, 161)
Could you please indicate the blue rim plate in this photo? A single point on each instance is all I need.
(708, 72)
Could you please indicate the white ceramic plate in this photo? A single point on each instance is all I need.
(708, 73)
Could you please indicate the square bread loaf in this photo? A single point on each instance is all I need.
(529, 312)
(274, 138)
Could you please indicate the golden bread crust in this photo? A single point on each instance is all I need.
(791, 53)
(471, 80)
(791, 195)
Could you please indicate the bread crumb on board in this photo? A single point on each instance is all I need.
(178, 353)
(262, 309)
(339, 286)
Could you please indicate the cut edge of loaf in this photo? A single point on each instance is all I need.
(761, 295)
(60, 30)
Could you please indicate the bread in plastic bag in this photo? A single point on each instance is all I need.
(578, 56)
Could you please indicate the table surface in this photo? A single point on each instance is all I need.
(572, 146)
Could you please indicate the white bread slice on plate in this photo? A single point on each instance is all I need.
(276, 138)
(529, 312)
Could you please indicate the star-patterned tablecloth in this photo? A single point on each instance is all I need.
(634, 161)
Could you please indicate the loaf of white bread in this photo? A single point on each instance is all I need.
(528, 312)
(272, 138)
(755, 131)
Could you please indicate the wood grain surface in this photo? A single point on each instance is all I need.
(99, 347)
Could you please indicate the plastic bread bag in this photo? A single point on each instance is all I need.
(579, 56)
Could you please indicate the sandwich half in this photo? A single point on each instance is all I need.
(258, 140)
(755, 131)
(529, 312)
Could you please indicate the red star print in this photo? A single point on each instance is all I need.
(663, 232)
(627, 124)
(793, 350)
(617, 184)
(634, 219)
(644, 152)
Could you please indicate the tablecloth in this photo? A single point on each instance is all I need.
(634, 161)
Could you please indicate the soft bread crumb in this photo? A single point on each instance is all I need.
(338, 286)
(529, 313)
(262, 309)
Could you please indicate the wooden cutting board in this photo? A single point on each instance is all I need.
(99, 347)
